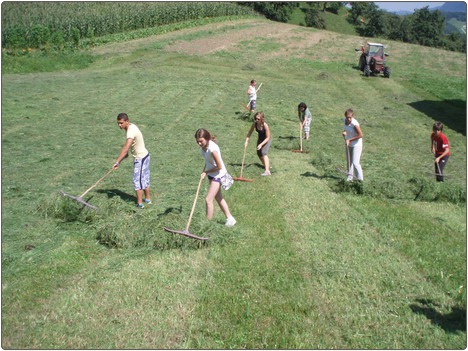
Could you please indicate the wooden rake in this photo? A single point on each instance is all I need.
(247, 107)
(300, 136)
(242, 179)
(80, 198)
(186, 232)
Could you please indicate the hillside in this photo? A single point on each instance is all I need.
(455, 6)
(313, 262)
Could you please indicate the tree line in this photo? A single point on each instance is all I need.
(423, 27)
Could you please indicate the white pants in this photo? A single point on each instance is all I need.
(354, 162)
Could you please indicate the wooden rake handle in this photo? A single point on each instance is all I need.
(94, 185)
(438, 166)
(347, 153)
(300, 133)
(248, 105)
(193, 206)
(243, 160)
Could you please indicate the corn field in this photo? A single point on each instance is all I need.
(34, 24)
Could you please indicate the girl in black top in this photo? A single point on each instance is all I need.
(263, 142)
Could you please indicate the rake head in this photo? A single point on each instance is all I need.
(78, 199)
(241, 179)
(185, 233)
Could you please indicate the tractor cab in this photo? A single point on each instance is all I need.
(373, 60)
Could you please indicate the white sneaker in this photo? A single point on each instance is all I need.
(266, 173)
(230, 222)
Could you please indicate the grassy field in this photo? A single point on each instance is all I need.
(313, 262)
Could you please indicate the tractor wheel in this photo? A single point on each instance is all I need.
(367, 71)
(386, 72)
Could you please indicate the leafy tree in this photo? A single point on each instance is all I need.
(313, 18)
(275, 11)
(406, 30)
(334, 6)
(428, 26)
(357, 10)
(375, 24)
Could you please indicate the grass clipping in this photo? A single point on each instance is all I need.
(66, 210)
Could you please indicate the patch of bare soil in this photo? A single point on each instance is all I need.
(294, 40)
(291, 38)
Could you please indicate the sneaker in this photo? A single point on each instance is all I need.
(266, 173)
(148, 201)
(140, 206)
(230, 222)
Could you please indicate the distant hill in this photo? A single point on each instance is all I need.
(458, 6)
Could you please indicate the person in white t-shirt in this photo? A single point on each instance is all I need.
(214, 169)
(353, 135)
(252, 92)
(141, 157)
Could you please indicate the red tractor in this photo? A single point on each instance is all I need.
(373, 61)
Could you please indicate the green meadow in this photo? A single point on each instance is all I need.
(313, 262)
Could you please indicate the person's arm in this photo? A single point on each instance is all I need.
(267, 139)
(433, 148)
(249, 134)
(445, 153)
(446, 149)
(123, 153)
(217, 160)
(203, 174)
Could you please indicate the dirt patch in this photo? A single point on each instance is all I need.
(294, 40)
(291, 38)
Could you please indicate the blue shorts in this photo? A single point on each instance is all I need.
(217, 180)
(141, 173)
(252, 104)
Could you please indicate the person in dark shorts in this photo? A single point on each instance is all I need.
(252, 93)
(440, 148)
(263, 141)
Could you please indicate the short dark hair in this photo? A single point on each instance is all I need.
(122, 116)
(438, 126)
(349, 110)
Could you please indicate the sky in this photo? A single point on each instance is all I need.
(406, 5)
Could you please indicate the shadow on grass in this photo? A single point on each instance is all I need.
(452, 113)
(115, 192)
(244, 116)
(289, 137)
(232, 164)
(170, 210)
(315, 175)
(450, 322)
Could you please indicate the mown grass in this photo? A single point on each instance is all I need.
(310, 264)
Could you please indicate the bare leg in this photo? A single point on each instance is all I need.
(139, 194)
(266, 162)
(223, 204)
(212, 193)
(147, 194)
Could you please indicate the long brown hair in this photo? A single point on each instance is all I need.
(261, 115)
(203, 133)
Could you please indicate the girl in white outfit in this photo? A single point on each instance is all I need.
(353, 135)
(215, 169)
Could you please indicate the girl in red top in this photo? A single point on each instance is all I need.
(441, 149)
